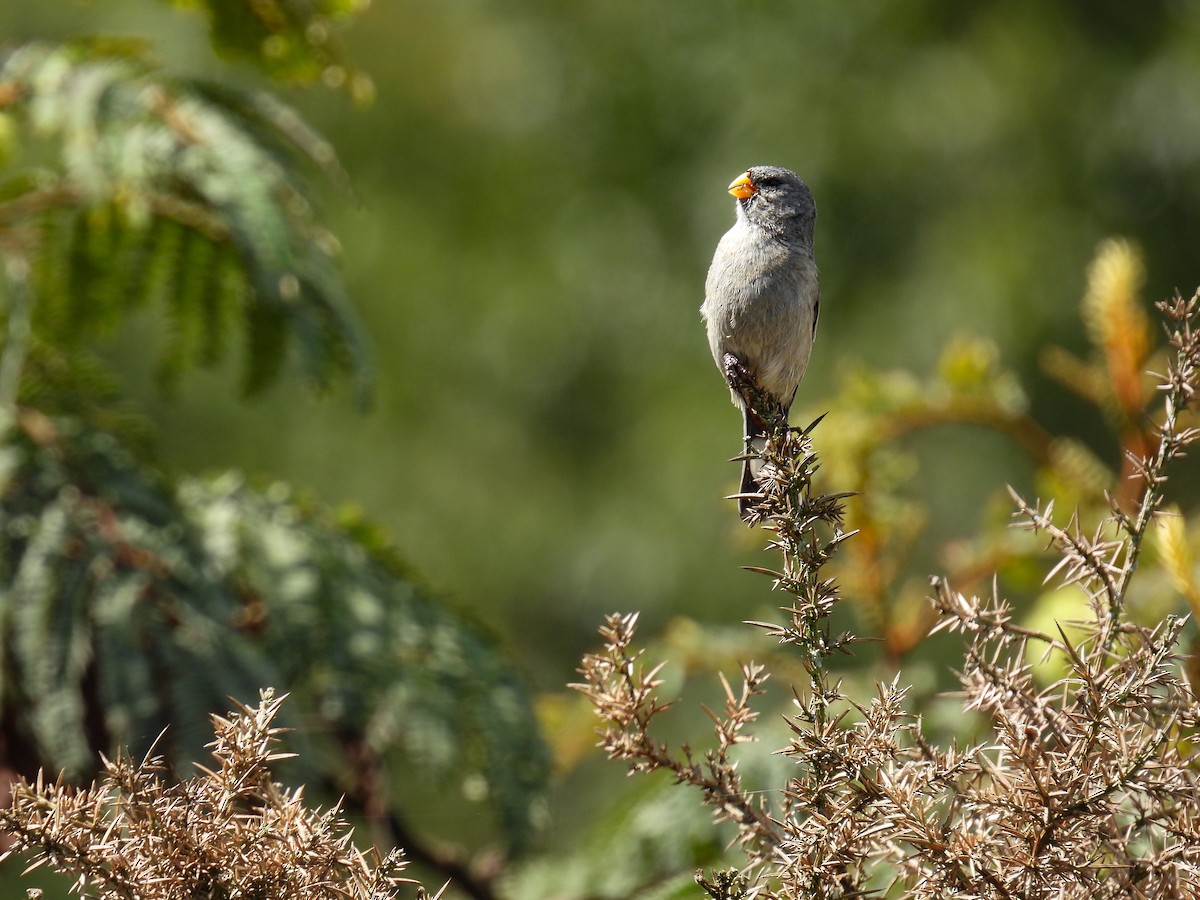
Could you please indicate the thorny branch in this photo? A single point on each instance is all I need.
(1085, 787)
(625, 697)
(1111, 563)
(137, 833)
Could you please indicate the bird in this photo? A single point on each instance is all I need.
(762, 298)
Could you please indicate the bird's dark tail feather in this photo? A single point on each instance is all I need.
(756, 440)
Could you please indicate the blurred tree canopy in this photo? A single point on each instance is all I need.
(538, 191)
(133, 601)
(541, 189)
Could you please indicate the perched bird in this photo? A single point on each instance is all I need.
(761, 297)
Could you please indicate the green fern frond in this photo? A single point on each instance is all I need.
(277, 126)
(197, 309)
(159, 185)
(360, 640)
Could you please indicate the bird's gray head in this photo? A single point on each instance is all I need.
(776, 200)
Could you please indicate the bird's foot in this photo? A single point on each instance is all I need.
(765, 412)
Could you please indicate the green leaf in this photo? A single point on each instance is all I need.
(164, 190)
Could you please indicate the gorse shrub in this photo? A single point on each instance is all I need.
(230, 831)
(1084, 785)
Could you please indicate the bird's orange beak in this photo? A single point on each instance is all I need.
(743, 187)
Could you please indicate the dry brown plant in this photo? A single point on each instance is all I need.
(1083, 788)
(229, 832)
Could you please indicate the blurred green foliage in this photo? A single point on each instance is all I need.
(133, 601)
(292, 40)
(541, 188)
(182, 194)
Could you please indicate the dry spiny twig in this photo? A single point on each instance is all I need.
(624, 694)
(1085, 787)
(231, 832)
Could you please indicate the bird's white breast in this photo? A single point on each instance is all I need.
(760, 305)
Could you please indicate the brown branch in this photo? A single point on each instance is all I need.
(367, 794)
(188, 213)
(1027, 433)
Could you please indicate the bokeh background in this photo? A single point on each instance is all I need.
(537, 190)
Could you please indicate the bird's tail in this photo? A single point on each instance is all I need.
(756, 441)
